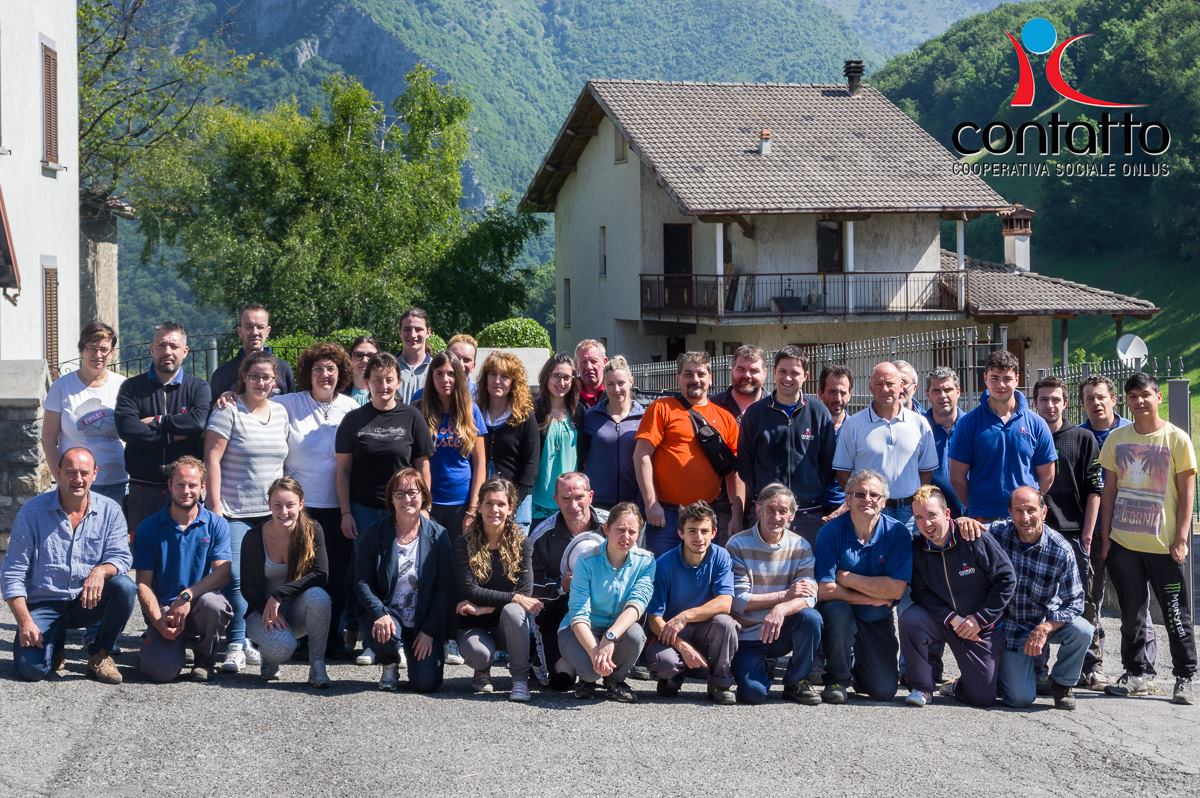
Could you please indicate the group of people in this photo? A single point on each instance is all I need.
(438, 512)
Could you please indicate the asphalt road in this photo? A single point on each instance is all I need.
(71, 736)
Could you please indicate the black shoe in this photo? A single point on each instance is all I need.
(1043, 685)
(641, 673)
(722, 696)
(585, 691)
(802, 692)
(669, 688)
(621, 692)
(1063, 697)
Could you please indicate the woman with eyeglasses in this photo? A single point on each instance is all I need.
(245, 446)
(314, 414)
(362, 350)
(558, 417)
(80, 411)
(403, 577)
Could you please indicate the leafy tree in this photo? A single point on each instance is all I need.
(337, 218)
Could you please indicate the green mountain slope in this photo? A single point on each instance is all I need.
(897, 27)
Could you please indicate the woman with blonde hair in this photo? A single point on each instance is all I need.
(607, 438)
(459, 460)
(284, 568)
(513, 439)
(494, 571)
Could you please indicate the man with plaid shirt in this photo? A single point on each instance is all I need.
(1046, 608)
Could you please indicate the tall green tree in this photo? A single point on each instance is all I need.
(336, 218)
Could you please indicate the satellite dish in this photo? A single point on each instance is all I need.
(1132, 351)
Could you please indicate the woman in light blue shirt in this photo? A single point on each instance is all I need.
(610, 589)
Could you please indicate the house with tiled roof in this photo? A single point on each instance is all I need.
(707, 215)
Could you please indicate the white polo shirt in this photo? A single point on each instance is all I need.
(899, 449)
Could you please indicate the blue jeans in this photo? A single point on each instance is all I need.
(800, 636)
(661, 539)
(1018, 679)
(865, 651)
(902, 514)
(365, 517)
(54, 618)
(424, 676)
(238, 527)
(115, 491)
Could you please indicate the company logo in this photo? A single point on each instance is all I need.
(966, 570)
(1039, 36)
(1121, 134)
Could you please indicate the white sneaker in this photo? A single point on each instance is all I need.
(402, 663)
(452, 655)
(235, 659)
(389, 680)
(253, 657)
(367, 657)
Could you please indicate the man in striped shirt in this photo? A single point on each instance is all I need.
(774, 594)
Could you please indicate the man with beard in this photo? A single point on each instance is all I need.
(590, 358)
(551, 582)
(65, 568)
(161, 416)
(672, 468)
(182, 558)
(253, 329)
(746, 388)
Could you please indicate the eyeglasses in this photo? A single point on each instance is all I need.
(260, 377)
(361, 355)
(406, 494)
(870, 495)
(562, 377)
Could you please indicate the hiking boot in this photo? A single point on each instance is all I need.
(1096, 680)
(586, 690)
(1183, 691)
(1130, 685)
(669, 688)
(102, 668)
(834, 693)
(1064, 698)
(917, 698)
(947, 688)
(201, 672)
(721, 696)
(641, 673)
(1044, 688)
(621, 692)
(802, 692)
(389, 679)
(481, 682)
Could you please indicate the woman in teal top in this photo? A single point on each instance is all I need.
(558, 415)
(600, 636)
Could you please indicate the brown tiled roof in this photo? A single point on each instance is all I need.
(994, 290)
(831, 151)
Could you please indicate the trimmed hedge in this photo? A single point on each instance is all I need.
(435, 343)
(290, 346)
(513, 334)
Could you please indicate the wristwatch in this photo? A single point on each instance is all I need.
(609, 636)
(185, 595)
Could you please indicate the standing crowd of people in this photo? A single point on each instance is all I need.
(418, 509)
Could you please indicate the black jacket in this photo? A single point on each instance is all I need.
(795, 450)
(515, 451)
(254, 578)
(182, 409)
(226, 376)
(966, 578)
(375, 575)
(548, 542)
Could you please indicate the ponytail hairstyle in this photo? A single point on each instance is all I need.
(478, 557)
(462, 417)
(302, 552)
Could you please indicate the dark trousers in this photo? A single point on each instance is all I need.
(208, 619)
(979, 662)
(450, 516)
(143, 501)
(340, 550)
(716, 639)
(800, 636)
(424, 676)
(546, 651)
(1130, 571)
(863, 650)
(54, 618)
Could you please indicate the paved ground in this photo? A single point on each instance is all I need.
(70, 736)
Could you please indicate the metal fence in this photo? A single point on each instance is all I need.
(208, 350)
(962, 349)
(1074, 375)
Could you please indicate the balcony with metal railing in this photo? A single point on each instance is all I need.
(767, 298)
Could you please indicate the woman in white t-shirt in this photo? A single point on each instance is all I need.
(314, 413)
(80, 412)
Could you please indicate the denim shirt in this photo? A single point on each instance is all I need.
(48, 561)
(599, 592)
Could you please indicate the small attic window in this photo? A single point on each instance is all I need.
(620, 147)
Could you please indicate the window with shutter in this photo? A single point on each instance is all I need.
(50, 318)
(49, 105)
(10, 275)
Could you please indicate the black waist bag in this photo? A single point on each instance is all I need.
(716, 451)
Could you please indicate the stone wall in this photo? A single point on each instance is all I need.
(23, 470)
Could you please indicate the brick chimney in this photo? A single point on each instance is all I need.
(764, 141)
(853, 71)
(1017, 224)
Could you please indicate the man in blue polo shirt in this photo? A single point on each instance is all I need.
(1001, 445)
(689, 612)
(182, 558)
(864, 563)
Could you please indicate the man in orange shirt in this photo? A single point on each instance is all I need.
(672, 468)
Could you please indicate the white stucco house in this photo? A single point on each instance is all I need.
(39, 181)
(707, 215)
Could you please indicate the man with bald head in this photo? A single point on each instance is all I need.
(1047, 606)
(890, 439)
(66, 568)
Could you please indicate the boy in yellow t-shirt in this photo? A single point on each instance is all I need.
(1149, 486)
